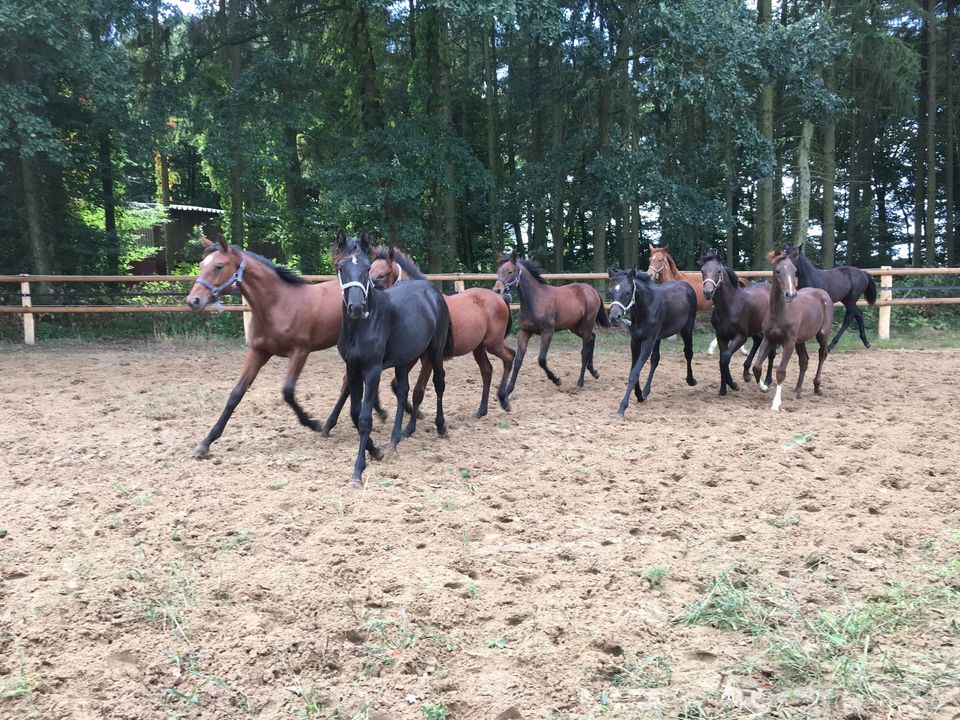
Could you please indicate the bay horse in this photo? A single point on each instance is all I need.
(291, 318)
(737, 315)
(479, 320)
(544, 309)
(656, 312)
(795, 315)
(386, 330)
(663, 268)
(844, 284)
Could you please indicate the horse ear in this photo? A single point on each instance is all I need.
(643, 277)
(666, 247)
(632, 273)
(364, 240)
(513, 256)
(773, 255)
(610, 274)
(339, 238)
(392, 254)
(652, 248)
(221, 238)
(205, 241)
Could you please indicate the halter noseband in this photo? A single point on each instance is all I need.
(716, 283)
(234, 279)
(633, 300)
(355, 283)
(659, 271)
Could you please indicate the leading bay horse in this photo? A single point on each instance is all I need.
(479, 319)
(795, 315)
(383, 330)
(844, 284)
(291, 318)
(663, 268)
(544, 309)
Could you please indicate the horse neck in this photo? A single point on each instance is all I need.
(261, 287)
(670, 270)
(806, 270)
(528, 288)
(777, 302)
(726, 291)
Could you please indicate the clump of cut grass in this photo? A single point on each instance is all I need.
(386, 638)
(729, 604)
(654, 575)
(652, 671)
(18, 685)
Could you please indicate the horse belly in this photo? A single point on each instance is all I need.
(467, 322)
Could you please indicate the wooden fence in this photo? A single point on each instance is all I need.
(26, 308)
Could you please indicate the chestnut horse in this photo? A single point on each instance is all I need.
(737, 315)
(479, 319)
(291, 318)
(794, 317)
(663, 269)
(544, 309)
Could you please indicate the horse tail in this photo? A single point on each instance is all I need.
(448, 343)
(509, 328)
(870, 292)
(602, 314)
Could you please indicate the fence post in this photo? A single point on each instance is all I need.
(29, 336)
(458, 286)
(247, 317)
(886, 294)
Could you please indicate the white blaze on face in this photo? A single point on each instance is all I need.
(789, 283)
(353, 259)
(617, 288)
(776, 400)
(207, 260)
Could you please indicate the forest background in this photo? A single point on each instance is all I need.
(576, 131)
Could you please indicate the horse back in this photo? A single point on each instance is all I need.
(817, 312)
(678, 305)
(574, 305)
(477, 315)
(416, 314)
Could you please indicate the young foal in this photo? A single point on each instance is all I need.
(479, 320)
(737, 315)
(844, 284)
(544, 309)
(794, 317)
(383, 330)
(291, 318)
(656, 312)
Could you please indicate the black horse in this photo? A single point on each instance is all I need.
(844, 284)
(737, 315)
(383, 330)
(656, 312)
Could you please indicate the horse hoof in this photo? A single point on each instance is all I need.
(866, 344)
(556, 381)
(382, 414)
(201, 452)
(595, 373)
(579, 383)
(479, 414)
(442, 431)
(325, 431)
(763, 388)
(505, 403)
(620, 415)
(723, 391)
(313, 425)
(420, 415)
(355, 483)
(376, 453)
(691, 382)
(734, 386)
(817, 391)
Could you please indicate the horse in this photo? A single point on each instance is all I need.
(383, 330)
(794, 316)
(663, 268)
(290, 318)
(480, 321)
(844, 284)
(737, 315)
(656, 312)
(544, 309)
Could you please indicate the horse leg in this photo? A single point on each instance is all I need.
(364, 421)
(770, 358)
(408, 408)
(633, 381)
(506, 355)
(654, 361)
(822, 356)
(727, 349)
(585, 350)
(847, 319)
(439, 386)
(781, 374)
(858, 316)
(252, 362)
(687, 336)
(403, 387)
(486, 374)
(294, 367)
(545, 337)
(338, 408)
(523, 338)
(419, 391)
(635, 346)
(803, 359)
(758, 364)
(593, 346)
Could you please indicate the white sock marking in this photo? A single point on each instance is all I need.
(713, 347)
(776, 400)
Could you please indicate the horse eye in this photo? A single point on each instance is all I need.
(218, 267)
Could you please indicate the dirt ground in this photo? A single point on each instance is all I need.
(703, 558)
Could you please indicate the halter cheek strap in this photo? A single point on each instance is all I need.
(216, 291)
(354, 283)
(716, 283)
(633, 300)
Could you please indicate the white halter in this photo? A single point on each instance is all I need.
(354, 283)
(633, 300)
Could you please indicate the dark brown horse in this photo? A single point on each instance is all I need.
(794, 316)
(291, 318)
(479, 320)
(737, 315)
(844, 284)
(544, 309)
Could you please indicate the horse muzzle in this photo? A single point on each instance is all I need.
(615, 315)
(196, 303)
(357, 312)
(790, 297)
(708, 294)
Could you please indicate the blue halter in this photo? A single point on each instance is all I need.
(235, 279)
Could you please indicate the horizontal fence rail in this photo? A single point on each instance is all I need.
(26, 308)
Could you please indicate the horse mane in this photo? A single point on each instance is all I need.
(731, 276)
(534, 269)
(672, 262)
(406, 263)
(284, 273)
(352, 246)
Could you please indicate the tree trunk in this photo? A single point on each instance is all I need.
(449, 201)
(371, 104)
(920, 152)
(493, 133)
(763, 240)
(931, 239)
(235, 58)
(950, 147)
(105, 157)
(635, 230)
(729, 188)
(803, 171)
(556, 117)
(829, 181)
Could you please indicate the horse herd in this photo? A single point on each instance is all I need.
(383, 313)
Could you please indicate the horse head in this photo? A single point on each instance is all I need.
(784, 274)
(659, 261)
(711, 268)
(384, 269)
(622, 291)
(508, 273)
(352, 261)
(221, 269)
